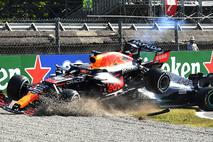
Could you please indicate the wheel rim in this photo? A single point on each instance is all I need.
(75, 97)
(210, 98)
(163, 83)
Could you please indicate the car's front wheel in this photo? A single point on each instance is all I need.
(17, 87)
(70, 95)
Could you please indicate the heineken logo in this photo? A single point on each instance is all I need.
(37, 73)
(185, 63)
(181, 69)
(36, 68)
(5, 74)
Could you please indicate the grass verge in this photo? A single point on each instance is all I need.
(179, 116)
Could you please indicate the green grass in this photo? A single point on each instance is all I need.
(179, 116)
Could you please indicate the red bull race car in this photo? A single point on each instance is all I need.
(108, 75)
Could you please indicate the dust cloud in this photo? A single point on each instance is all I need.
(119, 106)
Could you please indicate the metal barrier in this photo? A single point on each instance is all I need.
(58, 36)
(100, 26)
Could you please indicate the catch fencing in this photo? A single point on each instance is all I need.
(59, 36)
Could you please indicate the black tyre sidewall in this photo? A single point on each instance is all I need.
(205, 103)
(70, 95)
(15, 89)
(152, 80)
(208, 102)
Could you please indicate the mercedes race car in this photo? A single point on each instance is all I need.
(108, 75)
(197, 90)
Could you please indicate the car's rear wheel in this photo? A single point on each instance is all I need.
(205, 100)
(156, 81)
(17, 87)
(70, 95)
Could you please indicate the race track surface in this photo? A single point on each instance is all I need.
(108, 128)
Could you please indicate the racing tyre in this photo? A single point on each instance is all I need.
(70, 95)
(156, 81)
(17, 87)
(205, 101)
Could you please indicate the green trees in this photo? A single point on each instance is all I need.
(34, 9)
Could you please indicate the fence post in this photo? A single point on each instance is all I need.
(57, 35)
(120, 34)
(182, 7)
(200, 9)
(150, 8)
(176, 36)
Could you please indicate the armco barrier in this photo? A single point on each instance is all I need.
(37, 67)
(184, 63)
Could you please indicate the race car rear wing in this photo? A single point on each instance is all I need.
(158, 60)
(162, 57)
(137, 46)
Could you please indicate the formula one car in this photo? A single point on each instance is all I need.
(109, 75)
(197, 90)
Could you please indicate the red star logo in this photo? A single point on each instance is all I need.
(209, 65)
(37, 73)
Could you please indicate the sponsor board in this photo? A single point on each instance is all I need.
(38, 67)
(35, 67)
(184, 63)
